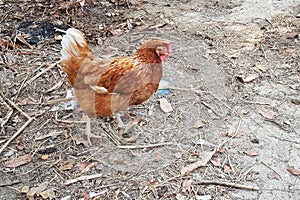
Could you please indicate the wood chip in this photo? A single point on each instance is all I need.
(165, 105)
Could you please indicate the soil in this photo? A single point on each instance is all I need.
(234, 85)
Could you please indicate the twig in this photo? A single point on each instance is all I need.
(235, 134)
(9, 184)
(168, 180)
(29, 120)
(275, 171)
(16, 134)
(111, 134)
(209, 107)
(17, 108)
(67, 121)
(228, 184)
(56, 101)
(200, 163)
(142, 146)
(9, 113)
(40, 73)
(82, 178)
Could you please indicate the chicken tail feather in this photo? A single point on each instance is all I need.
(75, 52)
(74, 45)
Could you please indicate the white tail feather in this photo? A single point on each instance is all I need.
(72, 43)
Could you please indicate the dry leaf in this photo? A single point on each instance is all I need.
(226, 169)
(216, 162)
(198, 123)
(81, 140)
(273, 175)
(86, 166)
(24, 190)
(165, 105)
(68, 166)
(48, 194)
(200, 163)
(252, 153)
(37, 190)
(186, 185)
(269, 114)
(19, 145)
(294, 171)
(45, 157)
(21, 160)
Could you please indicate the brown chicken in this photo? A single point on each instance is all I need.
(105, 87)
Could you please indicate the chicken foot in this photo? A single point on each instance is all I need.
(126, 129)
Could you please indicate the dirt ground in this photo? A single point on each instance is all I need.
(234, 85)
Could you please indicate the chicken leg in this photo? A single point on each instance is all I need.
(126, 128)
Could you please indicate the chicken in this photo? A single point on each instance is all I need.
(105, 87)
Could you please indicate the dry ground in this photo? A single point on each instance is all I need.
(234, 86)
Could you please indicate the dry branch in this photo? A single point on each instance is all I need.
(228, 184)
(142, 146)
(82, 178)
(42, 72)
(56, 101)
(16, 134)
(29, 120)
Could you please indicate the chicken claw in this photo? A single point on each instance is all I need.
(126, 129)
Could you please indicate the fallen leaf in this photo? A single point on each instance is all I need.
(25, 189)
(216, 162)
(198, 123)
(186, 185)
(37, 190)
(273, 175)
(19, 145)
(252, 153)
(45, 157)
(68, 166)
(226, 169)
(267, 113)
(81, 140)
(86, 166)
(48, 194)
(191, 167)
(165, 105)
(21, 160)
(294, 171)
